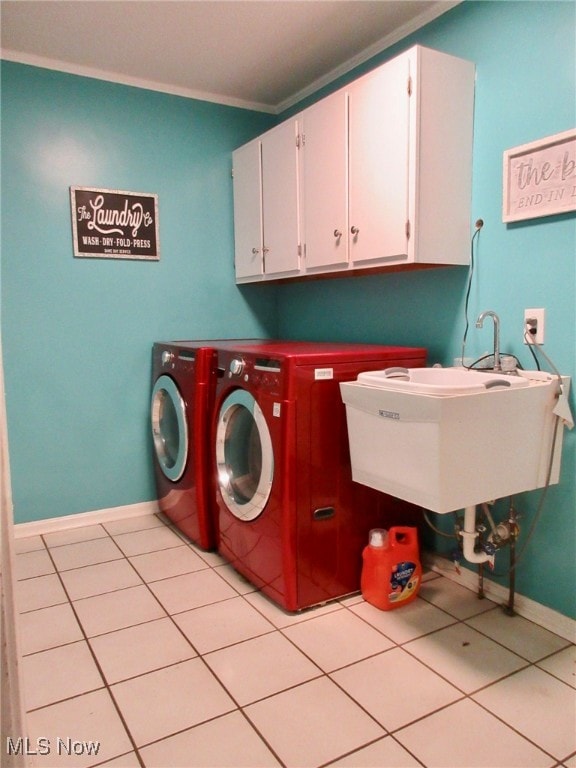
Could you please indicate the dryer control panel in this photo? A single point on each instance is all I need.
(172, 358)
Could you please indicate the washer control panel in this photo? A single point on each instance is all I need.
(262, 372)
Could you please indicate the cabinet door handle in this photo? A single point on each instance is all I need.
(354, 230)
(337, 233)
(255, 250)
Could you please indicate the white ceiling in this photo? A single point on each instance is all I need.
(258, 54)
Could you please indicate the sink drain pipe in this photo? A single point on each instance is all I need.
(469, 537)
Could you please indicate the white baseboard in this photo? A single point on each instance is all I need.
(52, 524)
(523, 606)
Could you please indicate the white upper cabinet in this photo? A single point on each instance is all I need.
(441, 132)
(383, 179)
(378, 186)
(324, 151)
(266, 205)
(247, 184)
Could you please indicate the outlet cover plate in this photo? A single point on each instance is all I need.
(540, 316)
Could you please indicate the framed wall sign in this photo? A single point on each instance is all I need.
(540, 178)
(112, 224)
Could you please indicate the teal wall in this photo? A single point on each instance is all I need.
(525, 90)
(77, 333)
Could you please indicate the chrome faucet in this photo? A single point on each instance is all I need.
(496, 319)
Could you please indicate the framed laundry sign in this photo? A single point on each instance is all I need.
(113, 224)
(540, 178)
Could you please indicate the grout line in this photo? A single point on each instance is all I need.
(262, 737)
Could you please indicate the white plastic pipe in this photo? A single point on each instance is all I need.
(469, 536)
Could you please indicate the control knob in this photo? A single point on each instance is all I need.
(167, 357)
(236, 366)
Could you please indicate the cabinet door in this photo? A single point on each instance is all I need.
(247, 211)
(280, 202)
(379, 112)
(325, 174)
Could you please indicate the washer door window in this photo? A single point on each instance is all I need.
(169, 428)
(244, 456)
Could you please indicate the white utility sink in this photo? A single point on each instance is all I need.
(449, 438)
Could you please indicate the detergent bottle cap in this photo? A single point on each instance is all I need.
(378, 537)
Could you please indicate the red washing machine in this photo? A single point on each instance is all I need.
(183, 386)
(289, 516)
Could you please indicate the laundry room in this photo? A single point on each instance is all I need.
(80, 492)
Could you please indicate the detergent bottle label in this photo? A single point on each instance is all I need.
(403, 581)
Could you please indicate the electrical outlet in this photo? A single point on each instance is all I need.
(534, 319)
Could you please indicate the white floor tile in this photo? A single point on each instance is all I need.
(281, 618)
(350, 600)
(260, 667)
(395, 688)
(235, 579)
(140, 649)
(521, 677)
(453, 598)
(562, 665)
(98, 579)
(518, 634)
(428, 574)
(88, 718)
(313, 724)
(85, 553)
(229, 740)
(48, 628)
(137, 523)
(220, 624)
(532, 690)
(170, 700)
(59, 673)
(167, 562)
(213, 559)
(182, 593)
(337, 639)
(384, 753)
(40, 592)
(148, 540)
(31, 564)
(124, 761)
(466, 658)
(74, 535)
(28, 544)
(117, 610)
(406, 623)
(466, 735)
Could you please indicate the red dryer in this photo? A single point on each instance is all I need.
(180, 411)
(289, 516)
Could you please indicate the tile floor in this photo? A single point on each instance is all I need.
(140, 650)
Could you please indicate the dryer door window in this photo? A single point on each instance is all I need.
(244, 456)
(169, 428)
